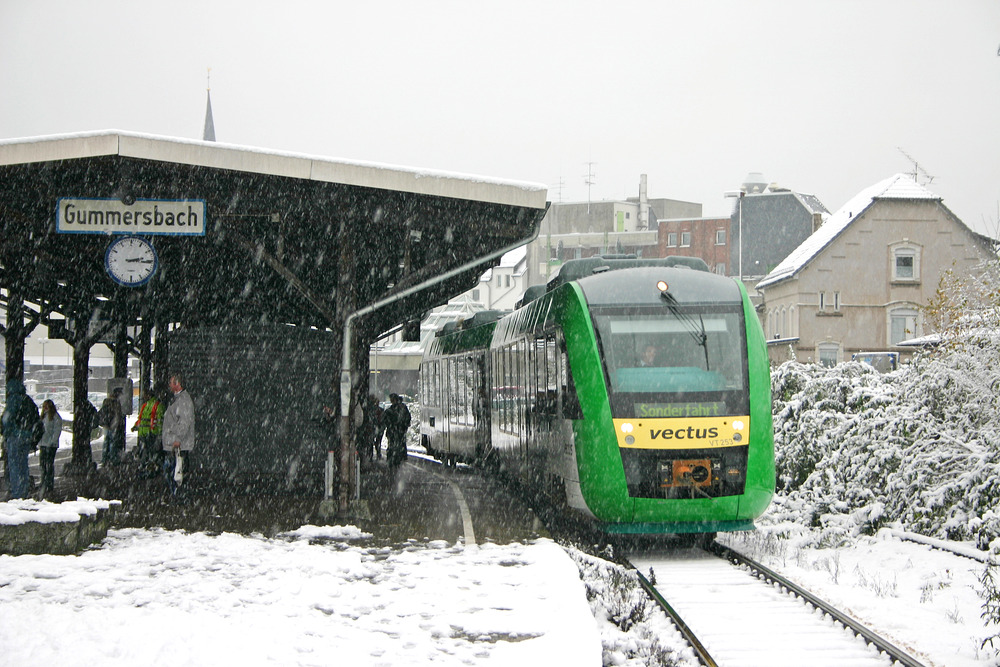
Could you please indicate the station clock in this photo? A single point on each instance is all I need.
(130, 261)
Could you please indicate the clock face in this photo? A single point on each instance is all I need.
(130, 261)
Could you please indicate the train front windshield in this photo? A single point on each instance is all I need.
(659, 361)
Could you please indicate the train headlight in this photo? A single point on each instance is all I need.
(629, 440)
(738, 426)
(627, 428)
(662, 285)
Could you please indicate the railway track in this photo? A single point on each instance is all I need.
(748, 615)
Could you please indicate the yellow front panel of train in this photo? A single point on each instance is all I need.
(683, 433)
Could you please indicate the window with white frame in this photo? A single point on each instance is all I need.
(902, 324)
(905, 262)
(685, 239)
(720, 237)
(671, 239)
(822, 300)
(836, 301)
(828, 354)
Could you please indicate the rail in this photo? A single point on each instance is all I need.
(699, 649)
(882, 644)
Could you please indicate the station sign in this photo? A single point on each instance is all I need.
(176, 217)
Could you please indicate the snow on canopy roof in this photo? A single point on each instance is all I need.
(899, 186)
(272, 162)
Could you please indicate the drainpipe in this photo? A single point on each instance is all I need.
(345, 369)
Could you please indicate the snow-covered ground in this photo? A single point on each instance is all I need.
(153, 597)
(924, 600)
(321, 595)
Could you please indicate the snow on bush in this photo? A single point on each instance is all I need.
(856, 449)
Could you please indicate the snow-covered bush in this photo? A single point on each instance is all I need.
(920, 446)
(630, 623)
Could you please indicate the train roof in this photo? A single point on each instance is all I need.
(467, 334)
(478, 319)
(575, 269)
(639, 286)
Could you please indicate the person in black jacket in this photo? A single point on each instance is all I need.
(20, 416)
(397, 420)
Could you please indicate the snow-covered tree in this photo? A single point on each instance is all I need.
(919, 446)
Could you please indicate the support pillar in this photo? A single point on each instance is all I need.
(144, 344)
(14, 336)
(82, 459)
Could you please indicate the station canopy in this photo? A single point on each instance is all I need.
(286, 238)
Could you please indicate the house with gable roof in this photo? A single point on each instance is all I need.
(858, 283)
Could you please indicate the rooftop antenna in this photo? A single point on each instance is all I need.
(917, 169)
(589, 180)
(559, 188)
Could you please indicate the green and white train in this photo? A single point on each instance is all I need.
(636, 392)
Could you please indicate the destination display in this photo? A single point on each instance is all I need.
(182, 217)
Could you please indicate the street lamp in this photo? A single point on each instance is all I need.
(738, 194)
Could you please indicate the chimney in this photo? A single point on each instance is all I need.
(817, 221)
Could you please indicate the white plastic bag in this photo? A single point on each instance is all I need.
(178, 468)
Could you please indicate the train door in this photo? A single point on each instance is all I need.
(567, 408)
(481, 404)
(543, 398)
(447, 387)
(521, 403)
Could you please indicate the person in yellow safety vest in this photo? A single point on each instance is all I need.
(149, 426)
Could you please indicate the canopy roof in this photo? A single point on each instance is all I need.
(288, 238)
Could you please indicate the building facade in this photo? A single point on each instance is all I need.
(859, 282)
(707, 238)
(766, 225)
(585, 229)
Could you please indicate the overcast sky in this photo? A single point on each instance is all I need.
(819, 96)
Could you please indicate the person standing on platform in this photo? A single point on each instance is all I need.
(370, 428)
(178, 436)
(20, 416)
(47, 446)
(378, 424)
(112, 418)
(397, 420)
(149, 427)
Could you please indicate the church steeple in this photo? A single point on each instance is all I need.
(209, 133)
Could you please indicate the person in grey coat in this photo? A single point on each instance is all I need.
(178, 433)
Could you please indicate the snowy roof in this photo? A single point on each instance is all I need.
(510, 260)
(264, 161)
(514, 257)
(899, 186)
